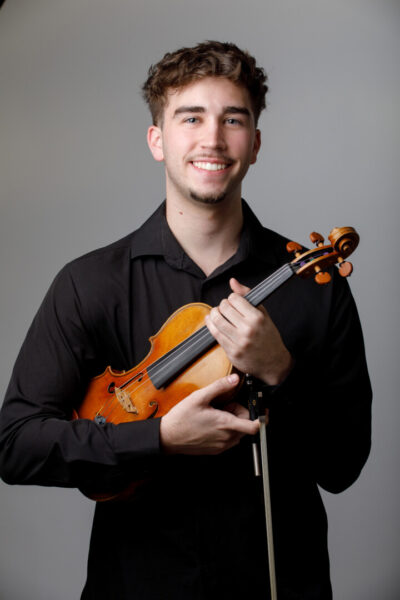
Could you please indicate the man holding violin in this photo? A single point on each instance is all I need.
(196, 528)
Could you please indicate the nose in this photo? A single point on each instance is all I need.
(213, 137)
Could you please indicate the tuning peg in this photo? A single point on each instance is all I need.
(345, 268)
(322, 277)
(294, 247)
(316, 238)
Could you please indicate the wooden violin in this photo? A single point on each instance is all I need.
(185, 357)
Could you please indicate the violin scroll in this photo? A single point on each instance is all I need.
(344, 240)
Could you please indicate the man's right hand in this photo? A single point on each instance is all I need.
(193, 426)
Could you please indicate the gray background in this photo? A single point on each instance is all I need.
(76, 174)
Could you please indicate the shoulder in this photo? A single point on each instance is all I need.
(101, 279)
(113, 257)
(107, 256)
(95, 277)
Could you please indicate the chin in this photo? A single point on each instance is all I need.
(208, 199)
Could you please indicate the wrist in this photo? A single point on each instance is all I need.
(166, 438)
(277, 374)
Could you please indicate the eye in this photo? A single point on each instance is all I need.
(191, 120)
(233, 121)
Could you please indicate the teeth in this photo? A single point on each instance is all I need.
(210, 166)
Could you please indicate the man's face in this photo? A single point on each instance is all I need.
(207, 140)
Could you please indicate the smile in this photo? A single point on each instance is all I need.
(207, 166)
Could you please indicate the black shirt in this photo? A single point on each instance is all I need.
(197, 529)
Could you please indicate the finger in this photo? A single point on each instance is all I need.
(219, 321)
(216, 388)
(236, 409)
(243, 307)
(231, 322)
(220, 337)
(229, 311)
(223, 340)
(242, 290)
(244, 426)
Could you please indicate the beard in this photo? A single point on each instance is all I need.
(207, 199)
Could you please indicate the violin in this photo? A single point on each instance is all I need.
(185, 357)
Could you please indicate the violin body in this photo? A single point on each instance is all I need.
(120, 397)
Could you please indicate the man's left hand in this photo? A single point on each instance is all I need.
(249, 337)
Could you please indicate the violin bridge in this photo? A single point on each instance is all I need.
(124, 398)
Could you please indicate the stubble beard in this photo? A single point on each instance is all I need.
(207, 199)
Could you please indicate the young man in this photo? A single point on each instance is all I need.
(196, 530)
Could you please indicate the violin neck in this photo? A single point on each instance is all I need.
(166, 368)
(264, 289)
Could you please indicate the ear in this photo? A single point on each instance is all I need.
(154, 141)
(256, 147)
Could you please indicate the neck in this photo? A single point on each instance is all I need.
(209, 234)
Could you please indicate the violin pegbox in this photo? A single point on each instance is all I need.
(321, 277)
(344, 240)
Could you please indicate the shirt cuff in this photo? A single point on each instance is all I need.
(140, 439)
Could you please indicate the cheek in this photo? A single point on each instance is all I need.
(243, 146)
(176, 146)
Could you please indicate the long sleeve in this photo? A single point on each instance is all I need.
(340, 415)
(321, 415)
(39, 444)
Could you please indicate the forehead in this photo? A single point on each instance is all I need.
(211, 93)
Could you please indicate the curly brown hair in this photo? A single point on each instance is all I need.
(207, 59)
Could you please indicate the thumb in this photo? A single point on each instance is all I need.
(221, 386)
(242, 290)
(237, 287)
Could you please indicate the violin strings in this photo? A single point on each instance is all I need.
(198, 337)
(195, 340)
(201, 335)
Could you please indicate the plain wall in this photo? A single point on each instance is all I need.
(75, 174)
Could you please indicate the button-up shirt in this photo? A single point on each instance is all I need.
(196, 529)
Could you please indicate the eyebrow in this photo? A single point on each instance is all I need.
(228, 110)
(232, 110)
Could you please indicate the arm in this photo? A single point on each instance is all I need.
(39, 444)
(322, 405)
(338, 416)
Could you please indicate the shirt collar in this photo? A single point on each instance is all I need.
(155, 238)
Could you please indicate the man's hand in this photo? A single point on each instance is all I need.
(249, 337)
(193, 426)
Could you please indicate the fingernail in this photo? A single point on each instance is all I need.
(233, 378)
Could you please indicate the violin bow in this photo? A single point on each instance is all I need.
(258, 411)
(344, 240)
(267, 503)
